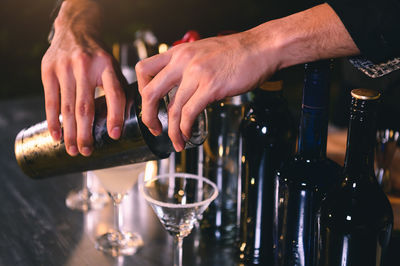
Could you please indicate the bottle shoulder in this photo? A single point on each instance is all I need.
(357, 202)
(321, 172)
(267, 122)
(298, 166)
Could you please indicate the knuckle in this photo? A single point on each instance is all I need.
(85, 109)
(81, 58)
(105, 58)
(46, 66)
(187, 113)
(186, 128)
(186, 52)
(140, 68)
(173, 132)
(174, 112)
(44, 62)
(67, 109)
(197, 67)
(147, 119)
(147, 95)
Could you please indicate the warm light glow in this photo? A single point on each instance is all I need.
(116, 51)
(243, 159)
(220, 150)
(162, 48)
(150, 171)
(102, 228)
(141, 49)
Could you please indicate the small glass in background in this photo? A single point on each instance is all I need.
(385, 149)
(90, 197)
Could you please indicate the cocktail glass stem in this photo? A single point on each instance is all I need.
(117, 213)
(178, 251)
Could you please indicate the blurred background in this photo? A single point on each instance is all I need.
(24, 26)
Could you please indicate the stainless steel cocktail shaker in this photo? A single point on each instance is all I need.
(39, 156)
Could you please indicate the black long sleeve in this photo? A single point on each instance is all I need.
(374, 26)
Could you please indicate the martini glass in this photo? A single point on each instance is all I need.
(178, 199)
(117, 181)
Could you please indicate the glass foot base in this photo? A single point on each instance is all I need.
(119, 244)
(81, 201)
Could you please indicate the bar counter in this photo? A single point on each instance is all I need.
(38, 229)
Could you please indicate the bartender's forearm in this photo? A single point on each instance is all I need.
(314, 34)
(81, 18)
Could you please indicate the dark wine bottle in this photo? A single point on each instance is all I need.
(39, 156)
(304, 180)
(356, 217)
(268, 139)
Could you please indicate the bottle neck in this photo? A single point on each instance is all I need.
(313, 129)
(361, 138)
(313, 133)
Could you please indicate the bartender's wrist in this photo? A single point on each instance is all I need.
(79, 19)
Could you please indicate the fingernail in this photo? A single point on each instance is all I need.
(116, 133)
(155, 132)
(56, 135)
(86, 151)
(178, 147)
(73, 151)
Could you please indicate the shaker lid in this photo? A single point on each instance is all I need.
(365, 94)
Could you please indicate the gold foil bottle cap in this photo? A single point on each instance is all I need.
(365, 94)
(272, 85)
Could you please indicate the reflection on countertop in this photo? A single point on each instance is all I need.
(38, 229)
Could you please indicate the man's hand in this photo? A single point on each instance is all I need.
(73, 66)
(204, 71)
(212, 69)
